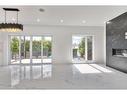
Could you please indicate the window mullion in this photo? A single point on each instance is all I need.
(42, 50)
(30, 49)
(20, 50)
(86, 48)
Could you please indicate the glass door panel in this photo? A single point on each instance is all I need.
(36, 49)
(47, 49)
(25, 49)
(90, 49)
(78, 46)
(14, 50)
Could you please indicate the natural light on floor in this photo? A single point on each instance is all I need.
(92, 68)
(105, 70)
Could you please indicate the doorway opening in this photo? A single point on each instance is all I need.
(82, 49)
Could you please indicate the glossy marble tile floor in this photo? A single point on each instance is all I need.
(61, 76)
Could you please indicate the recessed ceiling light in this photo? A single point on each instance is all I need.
(38, 20)
(41, 10)
(61, 20)
(83, 21)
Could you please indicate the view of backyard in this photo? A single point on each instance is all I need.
(82, 48)
(37, 49)
(20, 49)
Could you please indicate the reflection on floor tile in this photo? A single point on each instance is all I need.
(15, 76)
(19, 73)
(61, 76)
(47, 71)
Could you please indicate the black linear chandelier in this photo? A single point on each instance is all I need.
(11, 27)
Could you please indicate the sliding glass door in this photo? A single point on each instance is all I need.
(30, 49)
(36, 49)
(47, 49)
(82, 48)
(89, 48)
(79, 48)
(14, 49)
(25, 49)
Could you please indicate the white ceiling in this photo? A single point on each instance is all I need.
(64, 15)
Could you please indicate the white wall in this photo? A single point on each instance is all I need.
(62, 41)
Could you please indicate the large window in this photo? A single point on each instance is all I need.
(30, 49)
(82, 48)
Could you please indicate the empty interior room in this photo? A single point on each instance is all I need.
(63, 47)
